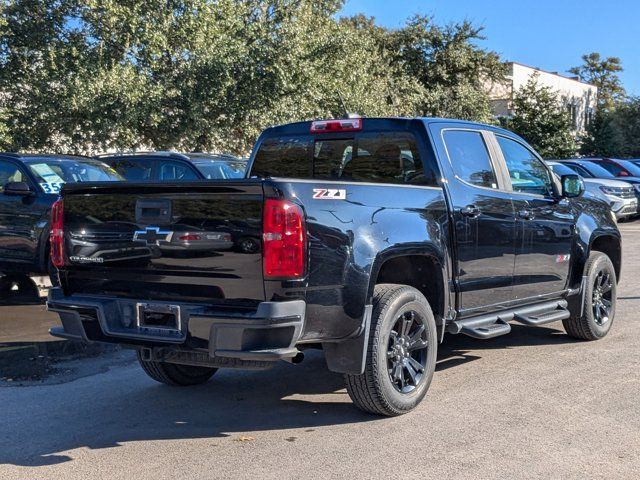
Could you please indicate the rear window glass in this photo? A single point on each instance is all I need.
(133, 169)
(283, 157)
(383, 157)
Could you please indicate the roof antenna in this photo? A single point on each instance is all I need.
(346, 114)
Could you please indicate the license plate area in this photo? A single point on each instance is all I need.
(158, 317)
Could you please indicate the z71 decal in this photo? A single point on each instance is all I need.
(329, 194)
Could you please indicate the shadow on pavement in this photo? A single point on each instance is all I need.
(459, 349)
(27, 351)
(127, 407)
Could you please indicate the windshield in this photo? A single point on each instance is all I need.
(632, 167)
(52, 174)
(596, 171)
(213, 169)
(561, 170)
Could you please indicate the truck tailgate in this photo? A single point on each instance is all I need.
(197, 241)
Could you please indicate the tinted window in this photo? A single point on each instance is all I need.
(212, 169)
(612, 168)
(595, 171)
(283, 157)
(383, 157)
(470, 158)
(528, 174)
(561, 170)
(631, 167)
(10, 173)
(581, 170)
(175, 171)
(133, 169)
(379, 157)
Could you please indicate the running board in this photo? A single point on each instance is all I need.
(493, 325)
(486, 332)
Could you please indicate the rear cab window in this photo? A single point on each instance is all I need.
(373, 155)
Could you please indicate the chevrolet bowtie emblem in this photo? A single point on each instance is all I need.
(152, 236)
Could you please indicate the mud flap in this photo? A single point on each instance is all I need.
(349, 356)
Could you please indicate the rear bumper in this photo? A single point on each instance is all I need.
(267, 333)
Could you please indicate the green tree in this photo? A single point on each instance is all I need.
(603, 137)
(627, 121)
(448, 64)
(604, 74)
(540, 119)
(84, 76)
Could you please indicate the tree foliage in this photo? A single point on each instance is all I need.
(82, 76)
(604, 74)
(540, 119)
(615, 133)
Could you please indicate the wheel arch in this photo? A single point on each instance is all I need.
(611, 246)
(423, 269)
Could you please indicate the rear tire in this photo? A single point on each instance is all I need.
(599, 304)
(174, 374)
(401, 355)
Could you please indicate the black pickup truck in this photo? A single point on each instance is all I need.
(378, 236)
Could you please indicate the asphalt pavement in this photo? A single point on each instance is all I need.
(533, 404)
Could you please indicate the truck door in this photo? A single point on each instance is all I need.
(546, 224)
(483, 217)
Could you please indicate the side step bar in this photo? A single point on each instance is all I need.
(493, 325)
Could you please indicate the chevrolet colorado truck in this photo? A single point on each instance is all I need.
(377, 238)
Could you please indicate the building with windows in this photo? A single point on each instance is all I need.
(579, 98)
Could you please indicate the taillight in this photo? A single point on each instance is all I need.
(343, 125)
(284, 240)
(189, 237)
(56, 238)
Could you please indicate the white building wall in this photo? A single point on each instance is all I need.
(578, 97)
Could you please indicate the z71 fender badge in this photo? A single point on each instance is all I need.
(329, 194)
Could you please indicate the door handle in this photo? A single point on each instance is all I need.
(470, 211)
(526, 214)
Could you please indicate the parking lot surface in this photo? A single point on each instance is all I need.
(533, 404)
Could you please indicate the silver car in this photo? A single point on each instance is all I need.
(619, 195)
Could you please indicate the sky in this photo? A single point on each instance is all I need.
(547, 34)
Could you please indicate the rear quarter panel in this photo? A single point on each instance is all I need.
(349, 240)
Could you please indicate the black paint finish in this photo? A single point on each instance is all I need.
(508, 249)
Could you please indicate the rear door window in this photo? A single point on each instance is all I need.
(470, 158)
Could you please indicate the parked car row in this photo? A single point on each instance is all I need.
(30, 184)
(614, 181)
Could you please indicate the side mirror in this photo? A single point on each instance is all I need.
(18, 188)
(572, 186)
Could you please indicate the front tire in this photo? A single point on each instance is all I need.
(599, 304)
(174, 374)
(401, 354)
